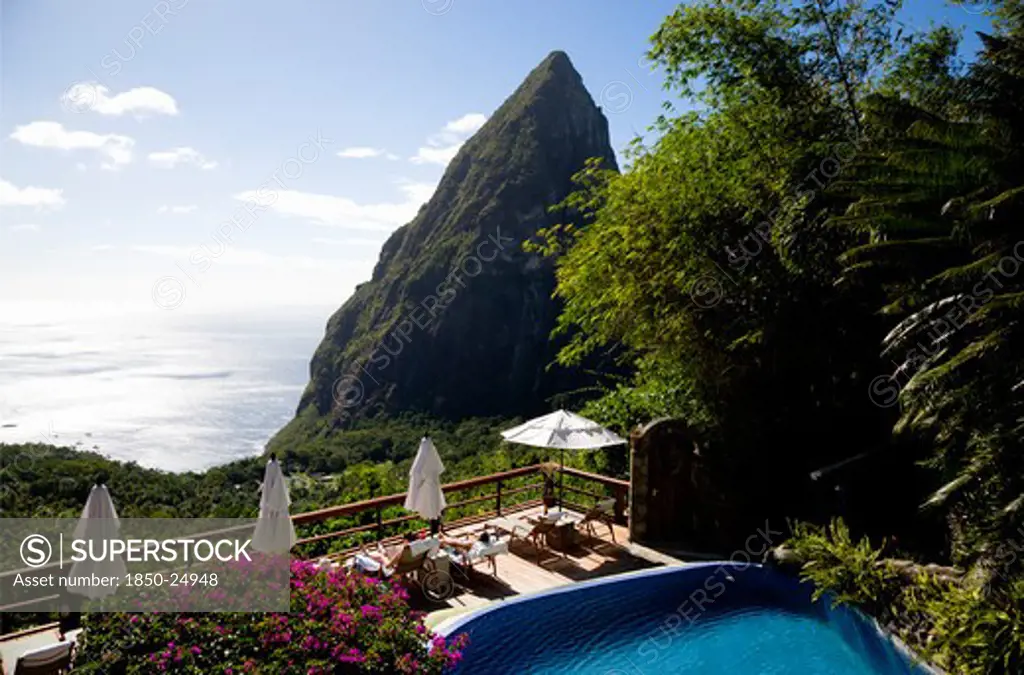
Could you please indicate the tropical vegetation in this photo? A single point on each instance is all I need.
(817, 263)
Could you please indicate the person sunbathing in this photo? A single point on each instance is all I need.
(388, 557)
(458, 543)
(464, 545)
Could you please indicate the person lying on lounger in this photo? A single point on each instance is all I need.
(388, 556)
(466, 544)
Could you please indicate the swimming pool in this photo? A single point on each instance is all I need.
(700, 620)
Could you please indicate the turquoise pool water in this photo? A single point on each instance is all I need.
(701, 620)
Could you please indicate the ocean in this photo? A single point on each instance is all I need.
(177, 393)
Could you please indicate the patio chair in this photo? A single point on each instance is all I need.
(602, 512)
(52, 659)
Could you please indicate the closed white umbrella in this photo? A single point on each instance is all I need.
(565, 431)
(275, 532)
(98, 524)
(425, 496)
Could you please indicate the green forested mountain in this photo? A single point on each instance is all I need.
(456, 320)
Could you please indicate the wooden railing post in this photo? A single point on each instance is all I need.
(380, 523)
(620, 505)
(497, 499)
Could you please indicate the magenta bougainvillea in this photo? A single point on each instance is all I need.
(340, 622)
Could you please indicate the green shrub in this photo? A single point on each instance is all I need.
(977, 632)
(967, 627)
(852, 572)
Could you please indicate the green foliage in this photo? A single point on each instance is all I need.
(706, 267)
(852, 572)
(966, 627)
(46, 481)
(977, 634)
(938, 205)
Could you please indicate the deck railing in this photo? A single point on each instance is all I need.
(471, 500)
(513, 490)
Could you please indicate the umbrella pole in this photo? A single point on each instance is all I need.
(561, 478)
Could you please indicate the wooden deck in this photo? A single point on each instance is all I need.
(523, 571)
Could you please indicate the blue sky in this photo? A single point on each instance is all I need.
(133, 131)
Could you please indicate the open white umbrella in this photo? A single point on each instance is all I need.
(98, 524)
(425, 496)
(562, 430)
(275, 532)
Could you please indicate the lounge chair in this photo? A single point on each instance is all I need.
(415, 564)
(518, 528)
(52, 659)
(602, 512)
(477, 552)
(413, 557)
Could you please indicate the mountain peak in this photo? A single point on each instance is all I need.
(553, 77)
(557, 62)
(456, 321)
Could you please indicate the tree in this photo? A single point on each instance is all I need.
(939, 202)
(708, 263)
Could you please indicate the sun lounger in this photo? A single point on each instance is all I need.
(602, 512)
(49, 660)
(517, 528)
(480, 551)
(415, 564)
(413, 557)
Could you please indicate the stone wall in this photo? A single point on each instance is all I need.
(675, 499)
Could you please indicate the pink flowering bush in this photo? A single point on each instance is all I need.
(340, 622)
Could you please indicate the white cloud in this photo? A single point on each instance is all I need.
(101, 247)
(361, 152)
(442, 146)
(240, 257)
(348, 241)
(345, 212)
(467, 124)
(92, 96)
(116, 148)
(180, 210)
(24, 227)
(11, 195)
(168, 159)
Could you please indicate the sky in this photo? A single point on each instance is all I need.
(134, 133)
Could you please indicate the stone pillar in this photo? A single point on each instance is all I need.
(638, 486)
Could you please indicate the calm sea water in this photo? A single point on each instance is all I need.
(176, 393)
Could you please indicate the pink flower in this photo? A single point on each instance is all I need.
(353, 656)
